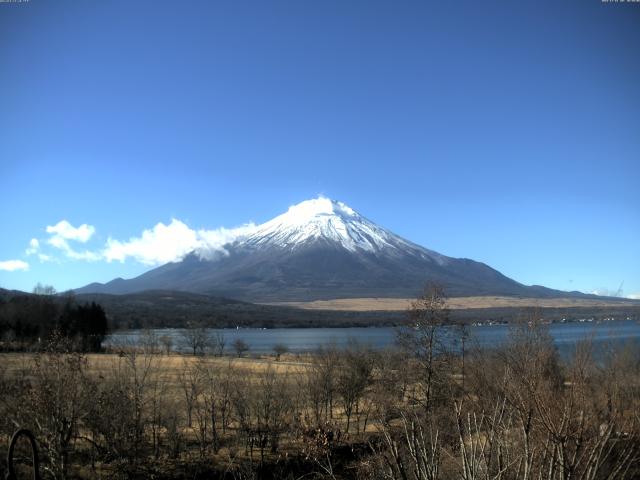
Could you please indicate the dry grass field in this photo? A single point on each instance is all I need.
(455, 303)
(170, 367)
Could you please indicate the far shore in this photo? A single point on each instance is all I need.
(455, 303)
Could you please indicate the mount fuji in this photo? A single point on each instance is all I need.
(322, 249)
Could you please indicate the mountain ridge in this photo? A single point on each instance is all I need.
(318, 250)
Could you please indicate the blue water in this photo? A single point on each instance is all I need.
(616, 333)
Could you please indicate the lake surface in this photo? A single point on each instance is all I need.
(604, 334)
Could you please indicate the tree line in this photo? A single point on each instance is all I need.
(29, 321)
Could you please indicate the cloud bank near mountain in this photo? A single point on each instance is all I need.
(163, 243)
(170, 243)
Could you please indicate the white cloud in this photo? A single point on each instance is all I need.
(607, 292)
(34, 249)
(12, 265)
(212, 242)
(64, 230)
(62, 244)
(58, 242)
(34, 246)
(161, 244)
(604, 292)
(170, 243)
(86, 255)
(158, 245)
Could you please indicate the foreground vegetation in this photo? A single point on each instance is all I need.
(415, 412)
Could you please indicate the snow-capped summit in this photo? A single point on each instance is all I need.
(323, 219)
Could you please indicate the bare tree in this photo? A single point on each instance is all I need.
(311, 385)
(240, 346)
(320, 383)
(171, 421)
(189, 382)
(160, 404)
(463, 335)
(263, 410)
(167, 343)
(149, 341)
(413, 454)
(353, 377)
(196, 338)
(212, 405)
(219, 342)
(202, 411)
(41, 289)
(280, 349)
(126, 402)
(137, 373)
(56, 402)
(423, 339)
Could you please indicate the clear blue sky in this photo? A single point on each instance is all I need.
(506, 132)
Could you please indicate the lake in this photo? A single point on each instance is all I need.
(613, 333)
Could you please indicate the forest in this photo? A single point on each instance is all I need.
(29, 321)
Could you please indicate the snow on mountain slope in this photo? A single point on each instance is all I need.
(330, 221)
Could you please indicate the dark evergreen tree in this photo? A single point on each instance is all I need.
(29, 320)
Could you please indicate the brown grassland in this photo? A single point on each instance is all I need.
(454, 303)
